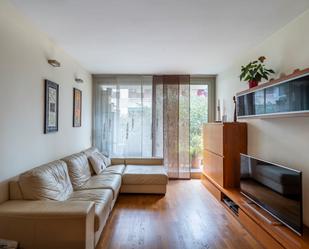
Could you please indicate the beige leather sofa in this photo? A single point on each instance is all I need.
(64, 205)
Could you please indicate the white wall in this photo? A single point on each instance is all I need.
(281, 140)
(23, 67)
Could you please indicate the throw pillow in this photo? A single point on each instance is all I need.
(107, 161)
(97, 163)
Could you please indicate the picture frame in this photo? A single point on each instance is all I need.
(77, 107)
(51, 109)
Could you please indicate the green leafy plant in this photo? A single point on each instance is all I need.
(196, 146)
(255, 71)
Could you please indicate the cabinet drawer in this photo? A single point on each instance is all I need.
(258, 233)
(213, 138)
(213, 167)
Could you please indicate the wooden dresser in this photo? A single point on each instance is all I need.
(223, 143)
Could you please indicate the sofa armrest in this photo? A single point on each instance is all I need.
(48, 224)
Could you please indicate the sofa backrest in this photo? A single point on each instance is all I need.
(4, 190)
(90, 151)
(47, 182)
(15, 192)
(79, 169)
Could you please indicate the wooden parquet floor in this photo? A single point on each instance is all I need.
(187, 217)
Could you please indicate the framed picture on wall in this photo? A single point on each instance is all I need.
(77, 107)
(51, 107)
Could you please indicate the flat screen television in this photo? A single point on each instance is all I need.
(275, 188)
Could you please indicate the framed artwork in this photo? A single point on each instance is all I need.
(51, 107)
(77, 107)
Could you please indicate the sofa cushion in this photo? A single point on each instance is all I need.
(114, 169)
(103, 201)
(47, 182)
(94, 151)
(97, 162)
(107, 160)
(144, 174)
(105, 181)
(79, 169)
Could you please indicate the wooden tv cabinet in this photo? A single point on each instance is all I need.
(263, 227)
(223, 143)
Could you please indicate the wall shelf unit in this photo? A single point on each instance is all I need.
(286, 96)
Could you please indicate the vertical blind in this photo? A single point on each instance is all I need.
(123, 116)
(172, 123)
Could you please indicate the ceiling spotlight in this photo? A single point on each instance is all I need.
(79, 80)
(54, 63)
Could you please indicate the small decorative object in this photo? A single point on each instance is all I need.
(54, 63)
(235, 116)
(224, 115)
(79, 80)
(77, 107)
(255, 71)
(51, 107)
(218, 112)
(297, 70)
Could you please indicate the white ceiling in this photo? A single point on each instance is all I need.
(159, 36)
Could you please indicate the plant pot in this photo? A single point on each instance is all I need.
(253, 83)
(195, 162)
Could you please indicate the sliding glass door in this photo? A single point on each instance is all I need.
(154, 116)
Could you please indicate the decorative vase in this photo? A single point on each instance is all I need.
(253, 83)
(218, 112)
(235, 115)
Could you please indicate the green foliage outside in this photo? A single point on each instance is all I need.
(198, 116)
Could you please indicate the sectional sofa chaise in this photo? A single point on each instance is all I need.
(65, 205)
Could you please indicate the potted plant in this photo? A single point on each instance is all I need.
(255, 71)
(195, 150)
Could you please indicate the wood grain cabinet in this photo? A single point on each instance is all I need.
(223, 143)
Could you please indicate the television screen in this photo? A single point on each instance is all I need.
(275, 188)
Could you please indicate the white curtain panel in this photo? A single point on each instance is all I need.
(171, 115)
(123, 115)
